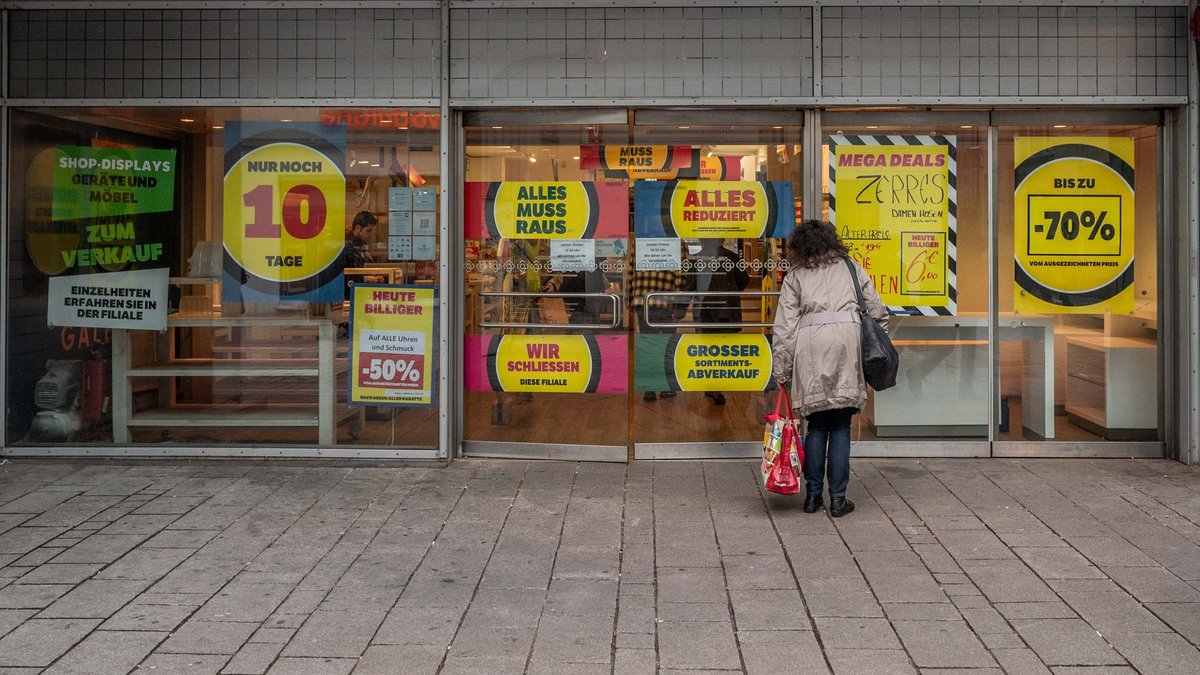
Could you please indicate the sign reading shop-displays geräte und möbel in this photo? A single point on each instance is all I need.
(284, 212)
(392, 342)
(1073, 216)
(893, 200)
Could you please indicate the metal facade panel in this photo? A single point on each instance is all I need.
(1014, 51)
(631, 52)
(225, 53)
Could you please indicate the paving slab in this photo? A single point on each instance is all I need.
(978, 566)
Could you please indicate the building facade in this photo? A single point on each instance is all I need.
(544, 229)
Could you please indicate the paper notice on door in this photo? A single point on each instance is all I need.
(572, 255)
(658, 254)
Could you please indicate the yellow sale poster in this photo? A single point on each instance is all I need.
(892, 199)
(392, 344)
(1073, 214)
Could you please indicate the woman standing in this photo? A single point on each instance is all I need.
(816, 345)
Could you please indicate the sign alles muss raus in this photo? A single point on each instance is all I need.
(1074, 225)
(284, 212)
(546, 210)
(893, 200)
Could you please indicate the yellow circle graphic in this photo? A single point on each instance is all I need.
(712, 208)
(285, 212)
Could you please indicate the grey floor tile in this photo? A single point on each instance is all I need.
(189, 664)
(839, 633)
(286, 665)
(1020, 661)
(107, 652)
(335, 634)
(419, 626)
(875, 661)
(762, 649)
(1153, 584)
(840, 597)
(769, 610)
(635, 661)
(942, 644)
(95, 598)
(482, 641)
(574, 639)
(389, 659)
(38, 642)
(208, 637)
(1157, 652)
(31, 596)
(693, 645)
(1066, 642)
(252, 659)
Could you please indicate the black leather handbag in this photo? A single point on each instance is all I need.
(879, 358)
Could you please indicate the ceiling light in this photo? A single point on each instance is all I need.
(965, 126)
(285, 120)
(533, 159)
(1060, 126)
(186, 119)
(497, 127)
(218, 126)
(575, 157)
(776, 127)
(872, 126)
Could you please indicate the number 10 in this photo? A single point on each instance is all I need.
(262, 200)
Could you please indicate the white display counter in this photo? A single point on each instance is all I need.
(942, 386)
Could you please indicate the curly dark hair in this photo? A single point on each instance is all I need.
(815, 243)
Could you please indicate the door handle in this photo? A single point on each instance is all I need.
(616, 315)
(703, 294)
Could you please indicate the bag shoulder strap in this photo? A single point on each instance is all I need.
(862, 305)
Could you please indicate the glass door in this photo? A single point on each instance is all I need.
(708, 261)
(908, 195)
(547, 244)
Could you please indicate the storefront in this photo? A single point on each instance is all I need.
(495, 229)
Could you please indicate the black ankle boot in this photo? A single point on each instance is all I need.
(840, 506)
(812, 503)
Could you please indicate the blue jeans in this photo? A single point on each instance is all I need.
(828, 428)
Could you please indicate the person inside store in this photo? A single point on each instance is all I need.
(718, 270)
(816, 346)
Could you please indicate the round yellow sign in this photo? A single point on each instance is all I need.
(542, 210)
(1074, 225)
(285, 212)
(709, 209)
(546, 363)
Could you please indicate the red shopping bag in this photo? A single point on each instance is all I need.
(782, 450)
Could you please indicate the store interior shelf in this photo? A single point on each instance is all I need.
(226, 416)
(258, 375)
(227, 367)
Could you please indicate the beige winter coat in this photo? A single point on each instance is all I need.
(822, 359)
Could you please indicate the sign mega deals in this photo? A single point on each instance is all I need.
(893, 202)
(284, 212)
(1073, 217)
(392, 338)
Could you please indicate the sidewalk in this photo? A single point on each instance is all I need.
(1026, 566)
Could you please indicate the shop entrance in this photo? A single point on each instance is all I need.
(621, 270)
